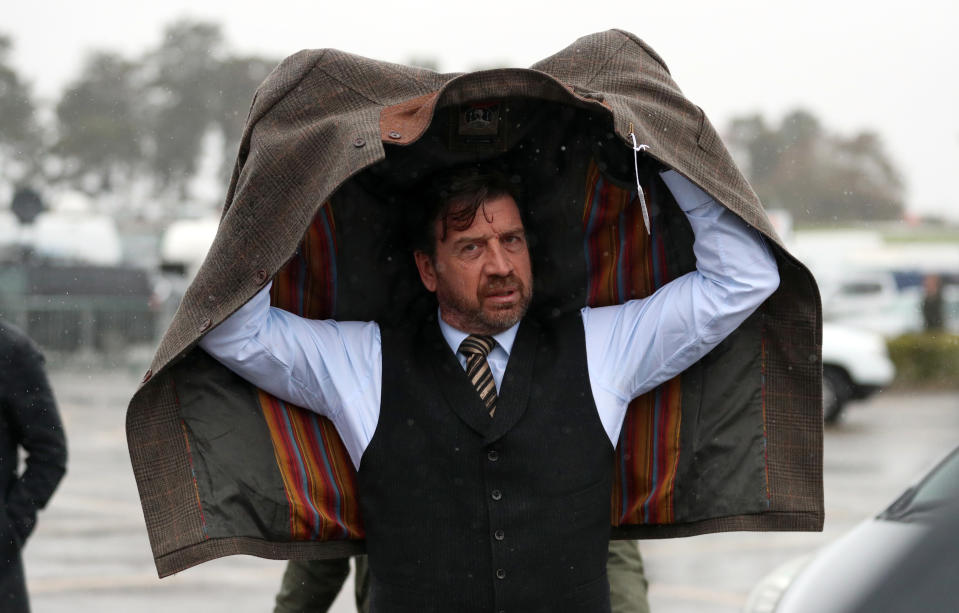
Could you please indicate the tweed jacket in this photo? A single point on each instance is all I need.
(333, 144)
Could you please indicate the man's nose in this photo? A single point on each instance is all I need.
(497, 260)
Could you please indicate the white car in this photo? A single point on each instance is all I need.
(855, 364)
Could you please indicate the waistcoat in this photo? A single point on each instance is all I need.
(468, 513)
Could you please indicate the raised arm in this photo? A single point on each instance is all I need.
(330, 367)
(633, 347)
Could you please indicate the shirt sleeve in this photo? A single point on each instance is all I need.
(633, 347)
(332, 368)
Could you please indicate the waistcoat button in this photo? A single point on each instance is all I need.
(493, 455)
(499, 535)
(496, 494)
(500, 573)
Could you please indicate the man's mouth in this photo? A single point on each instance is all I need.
(502, 295)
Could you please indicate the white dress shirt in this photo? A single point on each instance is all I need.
(335, 368)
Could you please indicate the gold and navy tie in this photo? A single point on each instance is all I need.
(476, 348)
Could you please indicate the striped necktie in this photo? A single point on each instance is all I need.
(476, 348)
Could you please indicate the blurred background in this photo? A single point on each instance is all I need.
(119, 125)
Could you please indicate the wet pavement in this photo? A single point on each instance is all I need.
(90, 551)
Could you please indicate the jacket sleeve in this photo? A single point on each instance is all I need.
(31, 413)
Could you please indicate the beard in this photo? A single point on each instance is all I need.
(467, 313)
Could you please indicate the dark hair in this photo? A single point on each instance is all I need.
(454, 196)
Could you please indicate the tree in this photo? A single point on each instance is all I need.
(816, 175)
(100, 140)
(20, 138)
(195, 86)
(237, 79)
(182, 74)
(148, 122)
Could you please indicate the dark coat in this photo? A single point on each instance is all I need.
(331, 147)
(28, 420)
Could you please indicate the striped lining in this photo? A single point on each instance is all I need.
(318, 477)
(319, 480)
(622, 263)
(306, 285)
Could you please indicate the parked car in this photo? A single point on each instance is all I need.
(856, 364)
(904, 559)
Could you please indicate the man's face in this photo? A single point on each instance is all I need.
(481, 275)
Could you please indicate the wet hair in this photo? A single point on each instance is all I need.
(454, 196)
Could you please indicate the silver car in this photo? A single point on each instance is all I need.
(904, 559)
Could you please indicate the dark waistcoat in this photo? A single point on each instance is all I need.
(467, 513)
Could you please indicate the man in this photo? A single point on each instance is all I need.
(452, 469)
(28, 420)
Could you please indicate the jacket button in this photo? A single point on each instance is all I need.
(147, 375)
(261, 276)
(205, 325)
(359, 142)
(499, 535)
(496, 495)
(500, 573)
(395, 135)
(493, 455)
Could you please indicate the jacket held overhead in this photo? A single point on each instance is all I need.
(317, 203)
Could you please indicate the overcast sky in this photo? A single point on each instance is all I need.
(858, 65)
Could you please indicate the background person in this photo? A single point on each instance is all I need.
(28, 420)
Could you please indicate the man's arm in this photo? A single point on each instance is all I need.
(33, 418)
(330, 367)
(633, 347)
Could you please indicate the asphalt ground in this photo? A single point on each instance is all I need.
(90, 550)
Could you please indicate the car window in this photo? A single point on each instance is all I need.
(940, 485)
(861, 288)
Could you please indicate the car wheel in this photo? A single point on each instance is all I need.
(835, 393)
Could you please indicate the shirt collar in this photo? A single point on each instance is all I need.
(454, 337)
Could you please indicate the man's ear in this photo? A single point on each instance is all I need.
(424, 264)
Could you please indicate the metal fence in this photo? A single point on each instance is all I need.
(76, 308)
